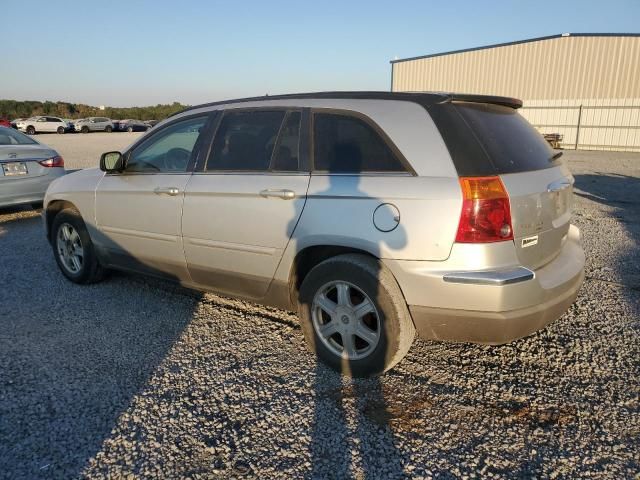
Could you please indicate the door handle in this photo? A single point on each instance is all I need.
(173, 191)
(558, 185)
(283, 194)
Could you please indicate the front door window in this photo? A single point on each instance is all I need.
(170, 150)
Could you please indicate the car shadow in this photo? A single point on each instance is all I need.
(344, 447)
(619, 193)
(70, 360)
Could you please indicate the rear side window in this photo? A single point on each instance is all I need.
(245, 140)
(346, 144)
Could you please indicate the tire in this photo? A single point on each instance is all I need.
(89, 269)
(108, 129)
(84, 129)
(366, 279)
(31, 130)
(130, 129)
(60, 130)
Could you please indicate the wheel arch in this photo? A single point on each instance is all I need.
(52, 210)
(309, 257)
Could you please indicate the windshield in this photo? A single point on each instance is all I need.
(9, 136)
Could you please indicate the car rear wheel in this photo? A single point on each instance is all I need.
(130, 129)
(73, 250)
(354, 316)
(84, 129)
(108, 129)
(31, 130)
(60, 130)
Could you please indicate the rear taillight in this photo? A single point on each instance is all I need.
(486, 213)
(56, 161)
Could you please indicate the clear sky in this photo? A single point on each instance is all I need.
(125, 53)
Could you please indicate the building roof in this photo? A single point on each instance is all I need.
(537, 39)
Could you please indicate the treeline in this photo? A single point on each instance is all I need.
(23, 109)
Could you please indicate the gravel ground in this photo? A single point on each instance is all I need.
(136, 378)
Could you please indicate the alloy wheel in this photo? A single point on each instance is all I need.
(346, 320)
(70, 250)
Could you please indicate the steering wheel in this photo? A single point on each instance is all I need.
(176, 159)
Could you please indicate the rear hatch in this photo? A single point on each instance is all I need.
(21, 161)
(495, 140)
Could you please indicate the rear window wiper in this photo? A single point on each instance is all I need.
(555, 156)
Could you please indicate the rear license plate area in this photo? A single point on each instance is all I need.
(14, 169)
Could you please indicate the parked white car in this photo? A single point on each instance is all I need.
(42, 124)
(94, 124)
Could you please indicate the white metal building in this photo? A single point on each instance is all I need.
(585, 87)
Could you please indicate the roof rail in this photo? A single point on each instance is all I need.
(425, 99)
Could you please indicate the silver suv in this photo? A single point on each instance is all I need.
(374, 215)
(93, 124)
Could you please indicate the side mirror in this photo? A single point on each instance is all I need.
(111, 162)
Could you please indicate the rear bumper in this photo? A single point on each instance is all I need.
(492, 307)
(27, 190)
(494, 328)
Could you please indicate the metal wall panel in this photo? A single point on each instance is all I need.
(558, 68)
(554, 77)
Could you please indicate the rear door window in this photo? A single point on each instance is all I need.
(347, 144)
(245, 140)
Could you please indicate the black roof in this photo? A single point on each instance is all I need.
(537, 39)
(425, 99)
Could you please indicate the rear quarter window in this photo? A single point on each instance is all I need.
(346, 144)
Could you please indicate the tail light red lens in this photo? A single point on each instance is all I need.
(56, 161)
(486, 212)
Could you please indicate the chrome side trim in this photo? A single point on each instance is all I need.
(140, 234)
(201, 242)
(559, 185)
(490, 277)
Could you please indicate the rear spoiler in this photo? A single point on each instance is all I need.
(495, 100)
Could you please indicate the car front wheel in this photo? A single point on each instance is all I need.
(73, 250)
(60, 130)
(354, 316)
(31, 130)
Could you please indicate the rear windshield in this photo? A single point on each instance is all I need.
(9, 136)
(487, 139)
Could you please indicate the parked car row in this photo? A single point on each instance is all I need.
(44, 124)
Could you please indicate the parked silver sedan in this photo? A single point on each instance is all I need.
(26, 168)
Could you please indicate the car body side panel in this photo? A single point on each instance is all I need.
(234, 237)
(77, 188)
(340, 211)
(137, 223)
